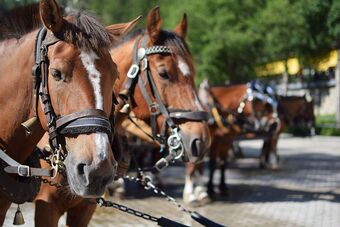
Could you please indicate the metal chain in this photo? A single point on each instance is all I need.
(104, 203)
(51, 183)
(148, 185)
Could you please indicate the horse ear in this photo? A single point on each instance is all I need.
(182, 28)
(154, 23)
(118, 30)
(50, 15)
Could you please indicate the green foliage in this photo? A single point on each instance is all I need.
(229, 38)
(326, 125)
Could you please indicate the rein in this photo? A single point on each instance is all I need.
(157, 107)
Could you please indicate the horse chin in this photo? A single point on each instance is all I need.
(87, 192)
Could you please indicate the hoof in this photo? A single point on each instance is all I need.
(204, 201)
(262, 166)
(224, 190)
(273, 167)
(211, 191)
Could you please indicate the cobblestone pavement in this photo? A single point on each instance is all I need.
(304, 192)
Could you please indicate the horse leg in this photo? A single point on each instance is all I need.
(188, 192)
(5, 204)
(212, 167)
(200, 191)
(80, 215)
(223, 162)
(273, 159)
(223, 186)
(46, 214)
(264, 154)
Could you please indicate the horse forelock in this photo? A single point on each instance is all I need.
(166, 38)
(179, 48)
(85, 32)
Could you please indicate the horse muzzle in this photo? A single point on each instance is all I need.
(196, 142)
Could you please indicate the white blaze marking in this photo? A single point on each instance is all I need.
(102, 143)
(88, 60)
(183, 66)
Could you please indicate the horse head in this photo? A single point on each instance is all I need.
(167, 72)
(76, 95)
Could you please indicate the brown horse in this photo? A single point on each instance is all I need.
(297, 111)
(293, 111)
(170, 74)
(71, 94)
(235, 109)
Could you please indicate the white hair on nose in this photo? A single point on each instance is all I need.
(88, 60)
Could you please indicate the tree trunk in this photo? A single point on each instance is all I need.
(337, 79)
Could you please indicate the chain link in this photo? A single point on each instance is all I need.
(51, 183)
(148, 185)
(104, 203)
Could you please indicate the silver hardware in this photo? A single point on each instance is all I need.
(175, 144)
(27, 168)
(141, 53)
(133, 71)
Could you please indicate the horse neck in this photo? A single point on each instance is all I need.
(229, 97)
(17, 59)
(123, 55)
(289, 108)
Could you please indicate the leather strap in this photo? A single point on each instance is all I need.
(22, 170)
(190, 115)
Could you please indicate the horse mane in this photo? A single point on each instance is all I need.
(19, 21)
(80, 28)
(170, 39)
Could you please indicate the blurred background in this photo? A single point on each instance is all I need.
(291, 45)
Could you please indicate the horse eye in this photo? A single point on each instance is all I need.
(57, 75)
(164, 74)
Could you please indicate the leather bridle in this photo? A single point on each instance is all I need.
(157, 107)
(82, 122)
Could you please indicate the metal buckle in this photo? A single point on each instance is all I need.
(154, 109)
(55, 161)
(175, 144)
(144, 64)
(161, 164)
(133, 71)
(27, 168)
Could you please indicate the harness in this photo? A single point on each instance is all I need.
(252, 94)
(81, 122)
(140, 68)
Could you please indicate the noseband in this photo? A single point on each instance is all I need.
(82, 122)
(140, 65)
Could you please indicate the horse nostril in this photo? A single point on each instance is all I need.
(81, 168)
(196, 147)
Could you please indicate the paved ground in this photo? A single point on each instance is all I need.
(305, 192)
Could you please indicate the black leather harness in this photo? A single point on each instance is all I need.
(82, 122)
(157, 107)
